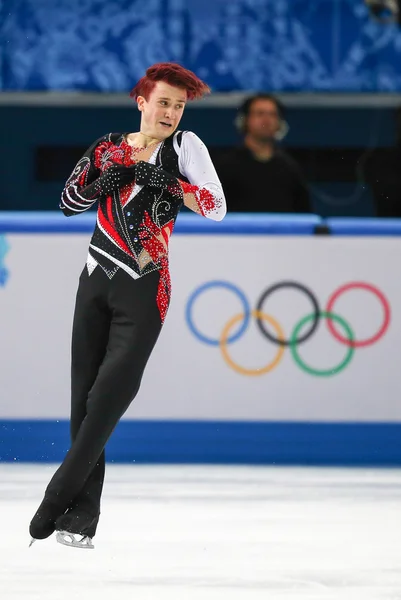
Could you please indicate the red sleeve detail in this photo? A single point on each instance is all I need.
(203, 197)
(82, 177)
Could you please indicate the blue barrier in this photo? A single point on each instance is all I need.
(249, 224)
(365, 226)
(187, 223)
(214, 442)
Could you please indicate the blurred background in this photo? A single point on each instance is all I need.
(304, 128)
(334, 64)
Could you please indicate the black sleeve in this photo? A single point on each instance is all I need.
(80, 191)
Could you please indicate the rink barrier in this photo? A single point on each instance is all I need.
(363, 226)
(187, 223)
(212, 442)
(232, 224)
(215, 442)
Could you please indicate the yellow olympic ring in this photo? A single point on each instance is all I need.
(225, 334)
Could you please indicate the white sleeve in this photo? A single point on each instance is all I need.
(195, 164)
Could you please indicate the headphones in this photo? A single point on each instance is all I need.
(245, 108)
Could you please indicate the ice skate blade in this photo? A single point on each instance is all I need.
(72, 540)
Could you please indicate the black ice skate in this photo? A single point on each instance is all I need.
(43, 523)
(76, 528)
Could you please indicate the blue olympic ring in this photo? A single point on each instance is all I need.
(228, 286)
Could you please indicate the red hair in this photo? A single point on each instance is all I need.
(173, 74)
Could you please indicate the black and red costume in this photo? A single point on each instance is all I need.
(122, 299)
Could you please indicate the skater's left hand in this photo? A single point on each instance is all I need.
(148, 174)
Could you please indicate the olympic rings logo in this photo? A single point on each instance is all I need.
(302, 331)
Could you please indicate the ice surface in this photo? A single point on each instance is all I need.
(213, 533)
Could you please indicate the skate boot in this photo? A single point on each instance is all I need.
(76, 528)
(43, 523)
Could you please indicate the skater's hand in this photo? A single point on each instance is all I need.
(116, 177)
(148, 174)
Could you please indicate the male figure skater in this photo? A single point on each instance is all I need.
(139, 181)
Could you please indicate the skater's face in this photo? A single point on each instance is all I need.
(162, 111)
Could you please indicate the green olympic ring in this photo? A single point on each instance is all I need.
(322, 372)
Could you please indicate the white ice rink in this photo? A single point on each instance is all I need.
(212, 533)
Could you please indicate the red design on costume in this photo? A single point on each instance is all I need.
(110, 229)
(129, 152)
(167, 230)
(203, 197)
(107, 154)
(109, 211)
(125, 193)
(149, 234)
(163, 289)
(82, 176)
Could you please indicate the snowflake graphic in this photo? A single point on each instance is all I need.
(275, 45)
(4, 273)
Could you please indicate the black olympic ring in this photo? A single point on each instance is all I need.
(315, 318)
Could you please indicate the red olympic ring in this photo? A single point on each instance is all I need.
(378, 294)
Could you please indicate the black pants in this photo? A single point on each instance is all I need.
(116, 325)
